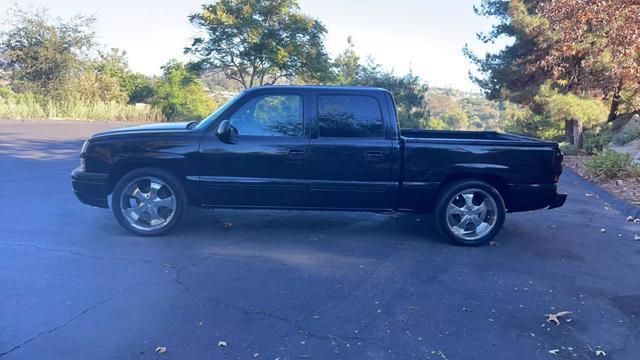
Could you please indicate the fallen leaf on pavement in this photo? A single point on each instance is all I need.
(222, 343)
(600, 353)
(161, 349)
(227, 225)
(556, 317)
(554, 351)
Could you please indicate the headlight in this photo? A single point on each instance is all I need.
(83, 153)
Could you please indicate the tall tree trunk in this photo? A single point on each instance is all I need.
(615, 104)
(573, 130)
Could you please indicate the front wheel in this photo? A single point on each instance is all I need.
(149, 202)
(469, 212)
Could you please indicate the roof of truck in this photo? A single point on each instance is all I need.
(317, 87)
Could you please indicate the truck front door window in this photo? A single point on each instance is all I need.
(270, 115)
(349, 116)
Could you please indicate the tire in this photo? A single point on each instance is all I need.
(155, 208)
(459, 223)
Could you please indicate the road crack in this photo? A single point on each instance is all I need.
(72, 319)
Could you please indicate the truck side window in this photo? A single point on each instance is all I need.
(270, 115)
(349, 116)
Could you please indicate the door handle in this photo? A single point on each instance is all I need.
(296, 154)
(373, 156)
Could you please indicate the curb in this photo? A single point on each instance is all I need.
(626, 208)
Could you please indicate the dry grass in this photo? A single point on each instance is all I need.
(26, 107)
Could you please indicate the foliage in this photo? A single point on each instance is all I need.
(113, 64)
(91, 86)
(347, 65)
(30, 106)
(180, 95)
(568, 149)
(40, 55)
(610, 165)
(588, 48)
(455, 119)
(504, 75)
(521, 120)
(433, 124)
(479, 113)
(596, 140)
(560, 107)
(259, 41)
(139, 88)
(594, 46)
(626, 136)
(408, 90)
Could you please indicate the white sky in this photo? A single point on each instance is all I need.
(427, 34)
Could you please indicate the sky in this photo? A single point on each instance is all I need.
(426, 36)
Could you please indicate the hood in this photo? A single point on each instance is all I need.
(154, 128)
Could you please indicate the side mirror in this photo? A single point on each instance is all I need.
(226, 132)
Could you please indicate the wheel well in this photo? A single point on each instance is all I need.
(122, 169)
(494, 180)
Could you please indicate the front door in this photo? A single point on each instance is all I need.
(351, 160)
(265, 167)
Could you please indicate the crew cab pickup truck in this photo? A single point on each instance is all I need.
(316, 147)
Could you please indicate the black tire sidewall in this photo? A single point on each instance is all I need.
(170, 179)
(451, 190)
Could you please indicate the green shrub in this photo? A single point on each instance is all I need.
(594, 141)
(610, 165)
(626, 136)
(568, 149)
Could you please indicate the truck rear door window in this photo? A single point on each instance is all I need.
(349, 116)
(270, 115)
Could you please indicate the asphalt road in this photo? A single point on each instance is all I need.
(291, 285)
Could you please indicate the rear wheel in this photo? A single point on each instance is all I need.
(149, 202)
(469, 212)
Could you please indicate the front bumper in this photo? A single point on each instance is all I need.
(90, 188)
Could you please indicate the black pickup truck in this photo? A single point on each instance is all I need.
(316, 147)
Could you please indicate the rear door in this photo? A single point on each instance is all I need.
(351, 154)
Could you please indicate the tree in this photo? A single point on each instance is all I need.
(259, 41)
(455, 119)
(576, 112)
(594, 48)
(589, 48)
(92, 87)
(347, 65)
(41, 55)
(507, 74)
(180, 95)
(140, 88)
(408, 90)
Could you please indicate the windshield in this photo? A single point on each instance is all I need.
(204, 123)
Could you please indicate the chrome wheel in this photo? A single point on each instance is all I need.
(148, 203)
(471, 214)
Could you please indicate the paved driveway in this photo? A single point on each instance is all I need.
(291, 285)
